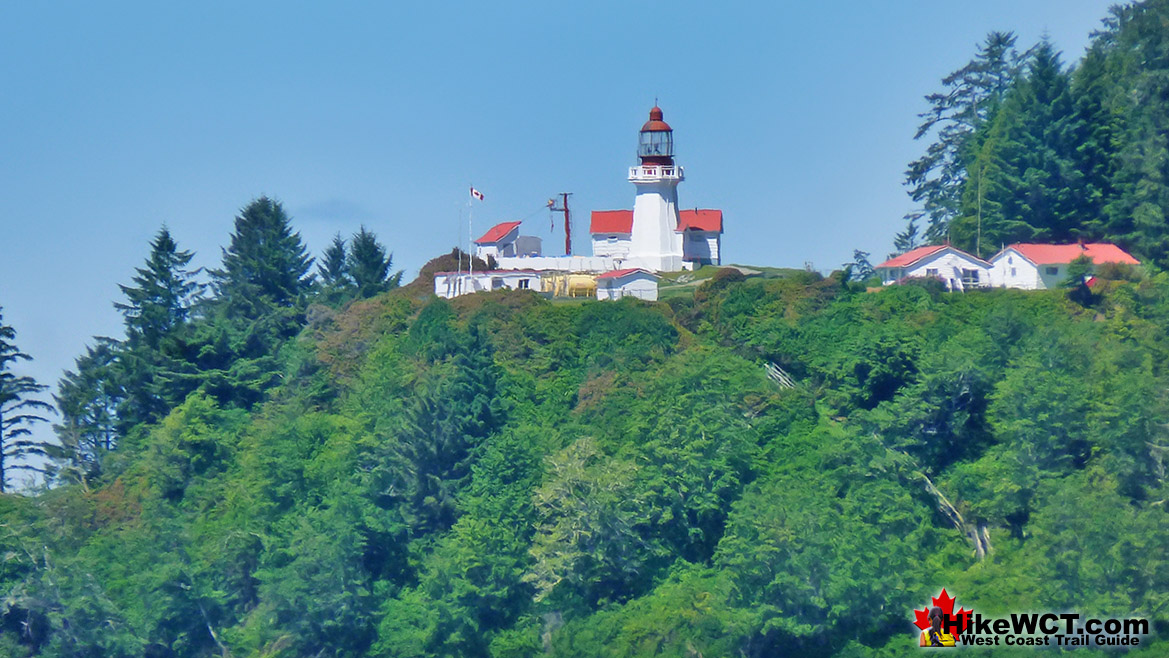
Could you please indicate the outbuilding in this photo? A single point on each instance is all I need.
(453, 284)
(958, 269)
(634, 282)
(499, 240)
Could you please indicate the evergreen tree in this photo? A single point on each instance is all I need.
(1095, 138)
(89, 400)
(1044, 159)
(163, 293)
(333, 269)
(972, 95)
(906, 240)
(1021, 174)
(862, 269)
(18, 410)
(1139, 51)
(158, 312)
(369, 265)
(266, 264)
(443, 429)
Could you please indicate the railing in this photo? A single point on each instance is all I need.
(778, 375)
(655, 171)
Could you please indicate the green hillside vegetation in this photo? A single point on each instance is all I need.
(504, 476)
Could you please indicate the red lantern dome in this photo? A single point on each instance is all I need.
(656, 140)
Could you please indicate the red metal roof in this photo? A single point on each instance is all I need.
(912, 256)
(1058, 254)
(615, 274)
(498, 232)
(703, 219)
(655, 123)
(611, 221)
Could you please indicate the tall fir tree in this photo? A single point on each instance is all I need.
(333, 270)
(266, 265)
(163, 294)
(1021, 172)
(19, 410)
(971, 96)
(1138, 50)
(157, 313)
(369, 265)
(1096, 135)
(1045, 160)
(89, 399)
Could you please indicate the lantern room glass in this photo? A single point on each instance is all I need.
(656, 143)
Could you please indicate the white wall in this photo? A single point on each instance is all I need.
(655, 242)
(617, 248)
(1010, 270)
(639, 285)
(701, 245)
(559, 263)
(946, 264)
(451, 284)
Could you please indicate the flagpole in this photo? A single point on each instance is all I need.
(470, 240)
(459, 253)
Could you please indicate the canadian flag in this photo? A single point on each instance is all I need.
(476, 194)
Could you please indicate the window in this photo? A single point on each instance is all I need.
(970, 277)
(1053, 270)
(523, 285)
(1013, 273)
(931, 271)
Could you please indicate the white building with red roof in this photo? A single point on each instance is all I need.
(499, 240)
(958, 269)
(1044, 266)
(628, 282)
(699, 234)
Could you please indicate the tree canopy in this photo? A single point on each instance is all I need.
(1024, 147)
(19, 409)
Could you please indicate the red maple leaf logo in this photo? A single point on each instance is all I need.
(946, 603)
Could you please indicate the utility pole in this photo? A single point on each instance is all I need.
(567, 219)
(978, 240)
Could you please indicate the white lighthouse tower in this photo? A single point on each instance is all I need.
(655, 242)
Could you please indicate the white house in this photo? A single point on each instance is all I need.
(631, 282)
(1044, 266)
(958, 269)
(453, 284)
(499, 240)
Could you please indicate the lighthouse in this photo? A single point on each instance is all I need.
(629, 246)
(655, 242)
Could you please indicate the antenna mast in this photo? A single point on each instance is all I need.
(563, 207)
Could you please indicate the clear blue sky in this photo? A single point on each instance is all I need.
(796, 119)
